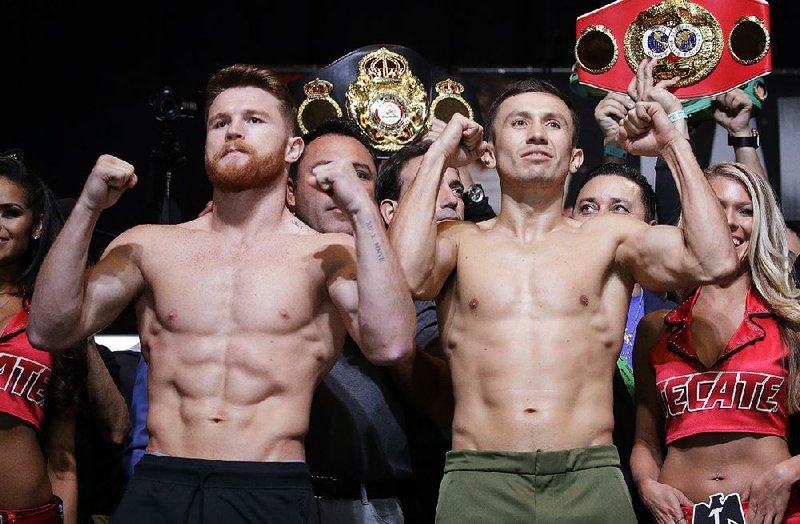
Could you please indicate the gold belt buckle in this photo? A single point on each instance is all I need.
(387, 101)
(684, 34)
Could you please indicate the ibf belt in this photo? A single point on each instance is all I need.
(712, 46)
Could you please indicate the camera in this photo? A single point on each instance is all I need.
(167, 106)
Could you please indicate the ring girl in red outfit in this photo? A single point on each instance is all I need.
(717, 376)
(37, 389)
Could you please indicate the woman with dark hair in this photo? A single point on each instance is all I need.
(38, 390)
(716, 378)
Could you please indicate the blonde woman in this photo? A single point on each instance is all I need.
(717, 376)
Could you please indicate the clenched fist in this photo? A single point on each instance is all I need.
(110, 177)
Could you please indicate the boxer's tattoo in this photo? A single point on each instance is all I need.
(375, 241)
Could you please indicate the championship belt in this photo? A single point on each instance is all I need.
(711, 45)
(391, 92)
(387, 101)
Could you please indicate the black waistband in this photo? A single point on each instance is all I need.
(224, 473)
(333, 488)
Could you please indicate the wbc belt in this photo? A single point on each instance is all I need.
(711, 45)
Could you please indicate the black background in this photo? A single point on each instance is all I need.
(77, 77)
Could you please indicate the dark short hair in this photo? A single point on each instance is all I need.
(333, 126)
(531, 85)
(646, 193)
(249, 75)
(390, 183)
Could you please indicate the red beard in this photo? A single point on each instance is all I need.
(256, 173)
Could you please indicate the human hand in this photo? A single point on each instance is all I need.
(460, 141)
(646, 130)
(340, 180)
(768, 495)
(609, 112)
(644, 88)
(437, 126)
(733, 110)
(663, 501)
(109, 178)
